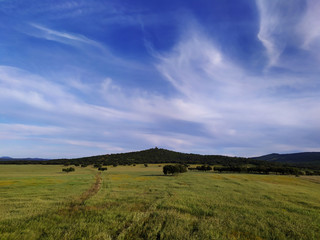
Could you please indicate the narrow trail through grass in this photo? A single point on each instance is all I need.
(93, 190)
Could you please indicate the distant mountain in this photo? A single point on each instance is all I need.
(5, 158)
(153, 155)
(303, 159)
(159, 155)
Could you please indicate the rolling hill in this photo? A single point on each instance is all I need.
(159, 155)
(303, 159)
(153, 155)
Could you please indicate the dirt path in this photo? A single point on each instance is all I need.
(93, 190)
(80, 201)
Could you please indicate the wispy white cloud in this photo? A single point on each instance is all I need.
(179, 142)
(35, 91)
(232, 104)
(308, 26)
(89, 144)
(16, 131)
(277, 21)
(63, 37)
(27, 97)
(219, 107)
(289, 25)
(85, 46)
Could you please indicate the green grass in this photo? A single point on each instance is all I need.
(140, 203)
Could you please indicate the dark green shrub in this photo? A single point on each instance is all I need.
(67, 170)
(174, 169)
(102, 168)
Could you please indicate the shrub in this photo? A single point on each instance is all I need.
(67, 170)
(102, 168)
(174, 169)
(204, 168)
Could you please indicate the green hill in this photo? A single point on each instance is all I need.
(303, 159)
(159, 155)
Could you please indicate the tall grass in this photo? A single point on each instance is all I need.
(141, 203)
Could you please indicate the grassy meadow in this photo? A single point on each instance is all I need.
(137, 202)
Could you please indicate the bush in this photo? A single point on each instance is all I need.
(174, 169)
(67, 170)
(204, 168)
(102, 168)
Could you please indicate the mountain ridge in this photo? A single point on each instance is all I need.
(159, 155)
(300, 159)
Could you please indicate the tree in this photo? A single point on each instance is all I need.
(174, 169)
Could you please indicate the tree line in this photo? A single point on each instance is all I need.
(281, 170)
(179, 168)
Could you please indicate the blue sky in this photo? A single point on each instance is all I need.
(82, 78)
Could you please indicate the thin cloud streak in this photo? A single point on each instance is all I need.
(63, 37)
(90, 48)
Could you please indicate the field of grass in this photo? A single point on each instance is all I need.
(137, 202)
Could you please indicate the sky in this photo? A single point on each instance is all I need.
(234, 77)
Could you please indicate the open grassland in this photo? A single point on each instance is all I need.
(137, 202)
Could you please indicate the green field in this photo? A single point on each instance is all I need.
(137, 202)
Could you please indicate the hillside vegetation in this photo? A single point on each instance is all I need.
(261, 165)
(153, 155)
